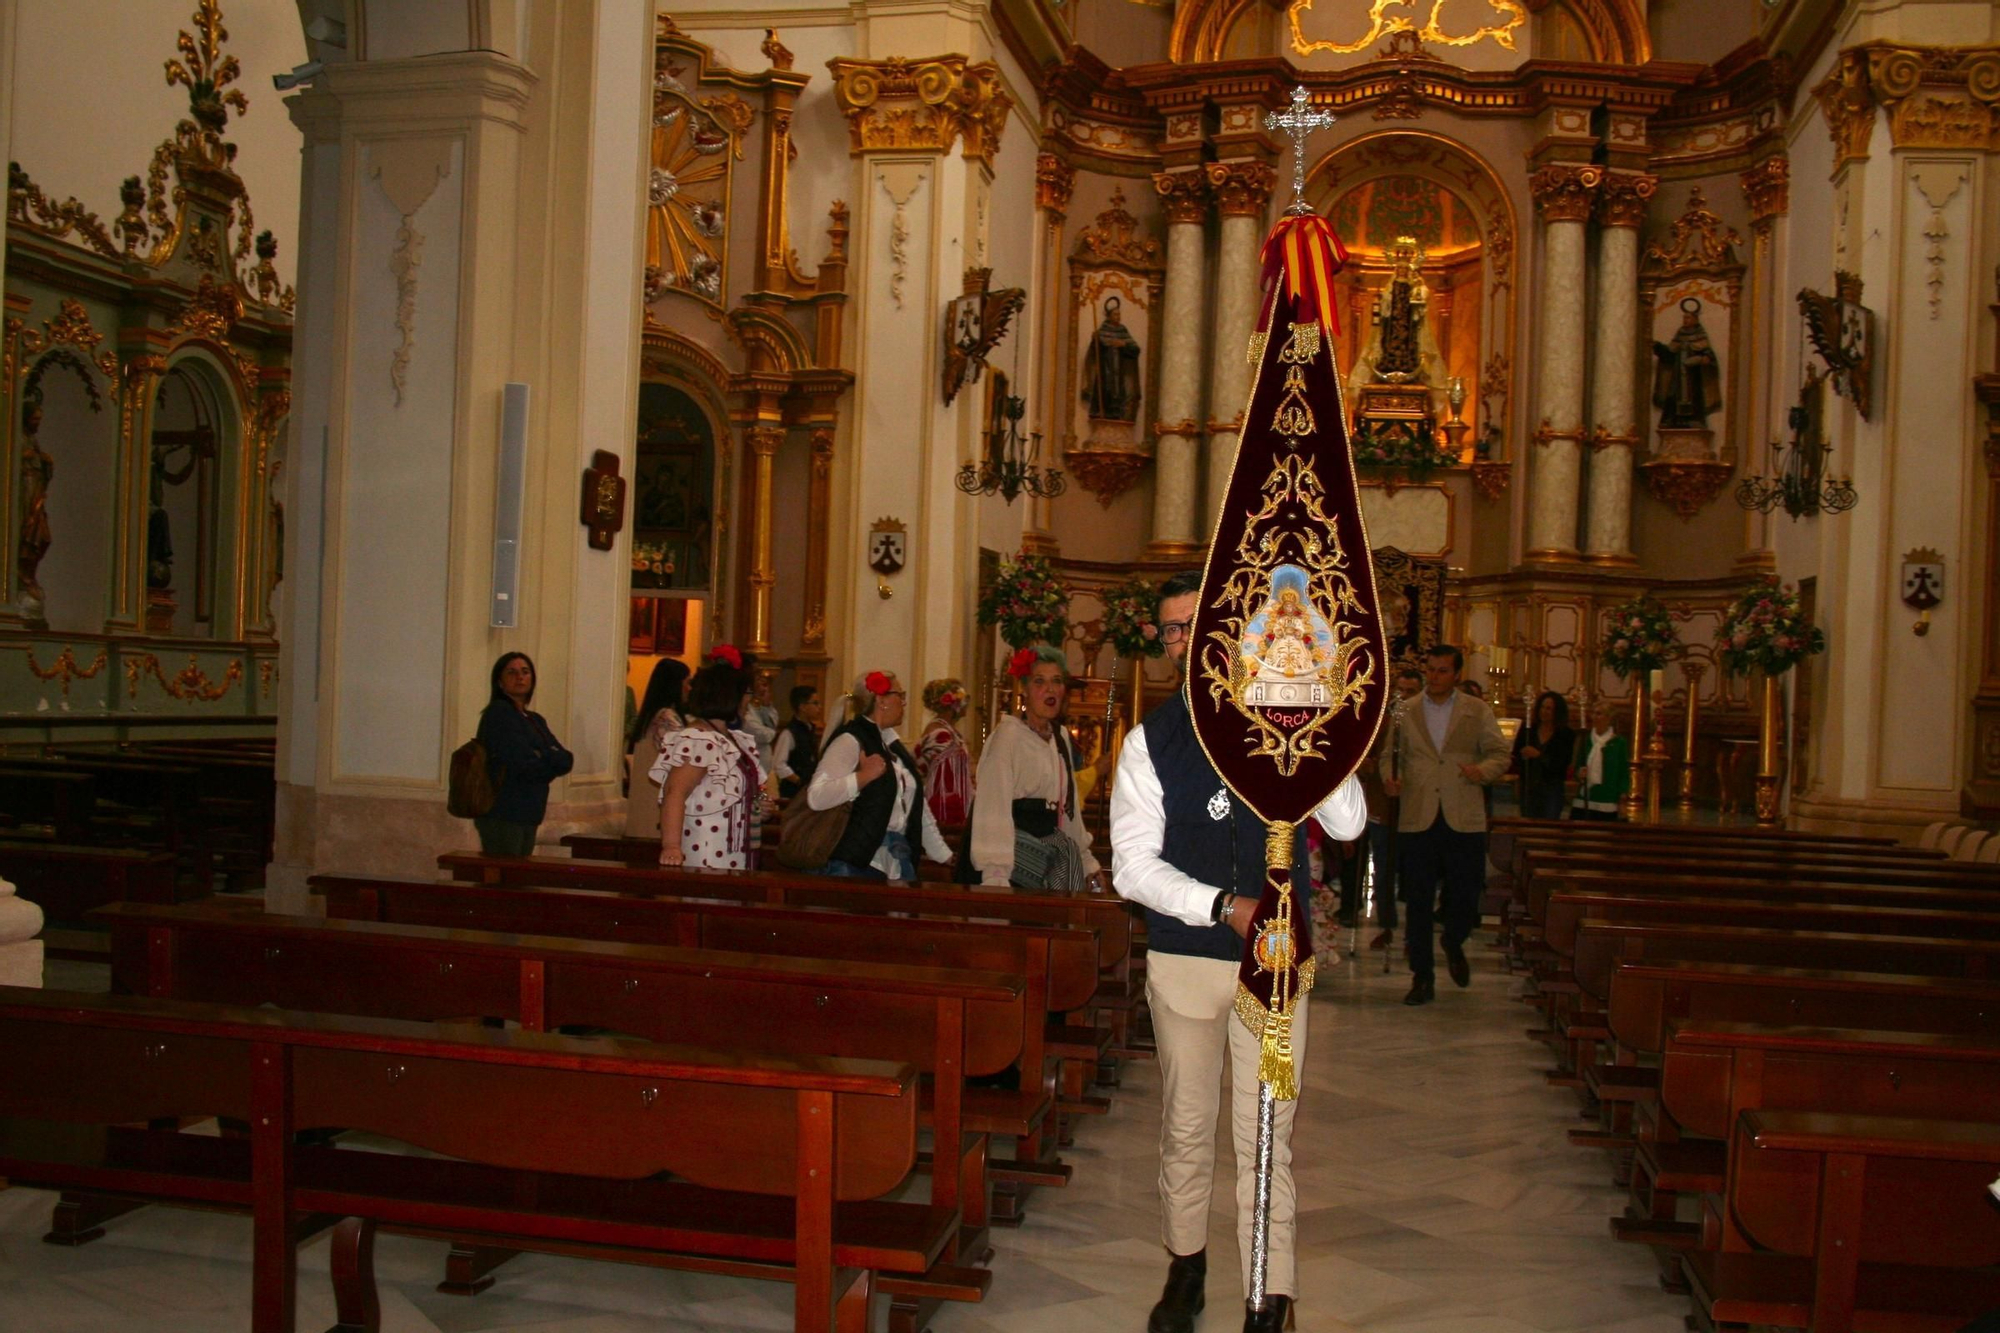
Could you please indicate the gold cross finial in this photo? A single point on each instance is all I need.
(1297, 123)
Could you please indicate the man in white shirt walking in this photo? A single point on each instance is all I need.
(1183, 850)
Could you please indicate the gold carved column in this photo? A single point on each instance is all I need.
(1184, 199)
(1767, 189)
(1564, 193)
(1055, 180)
(763, 432)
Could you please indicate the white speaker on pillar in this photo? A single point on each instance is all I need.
(507, 498)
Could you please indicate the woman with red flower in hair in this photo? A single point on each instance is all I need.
(943, 761)
(1028, 831)
(867, 766)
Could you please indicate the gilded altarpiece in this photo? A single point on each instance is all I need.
(1115, 278)
(145, 366)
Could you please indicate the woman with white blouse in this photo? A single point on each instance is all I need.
(1027, 823)
(867, 766)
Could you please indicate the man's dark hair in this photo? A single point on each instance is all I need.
(717, 691)
(1409, 673)
(1183, 584)
(1446, 650)
(801, 696)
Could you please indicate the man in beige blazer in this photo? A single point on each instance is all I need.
(1447, 748)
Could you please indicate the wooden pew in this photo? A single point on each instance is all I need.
(1649, 1000)
(1861, 1222)
(155, 803)
(1505, 831)
(950, 1023)
(1057, 965)
(58, 807)
(68, 883)
(1119, 991)
(781, 1165)
(1601, 945)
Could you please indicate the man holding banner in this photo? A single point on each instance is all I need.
(1285, 676)
(1194, 860)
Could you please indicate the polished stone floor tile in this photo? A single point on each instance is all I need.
(1437, 1195)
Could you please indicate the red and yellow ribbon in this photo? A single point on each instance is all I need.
(1304, 251)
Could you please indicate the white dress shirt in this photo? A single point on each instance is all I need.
(1139, 831)
(834, 783)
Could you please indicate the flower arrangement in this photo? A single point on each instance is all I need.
(1131, 618)
(1639, 637)
(1414, 451)
(652, 564)
(1027, 601)
(1766, 630)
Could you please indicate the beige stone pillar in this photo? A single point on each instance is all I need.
(1767, 189)
(1621, 208)
(1242, 193)
(1563, 194)
(1055, 180)
(1184, 196)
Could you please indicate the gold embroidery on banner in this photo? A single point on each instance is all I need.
(1307, 550)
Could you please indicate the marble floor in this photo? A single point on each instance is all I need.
(1438, 1195)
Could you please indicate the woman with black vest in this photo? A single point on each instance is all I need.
(1187, 853)
(866, 765)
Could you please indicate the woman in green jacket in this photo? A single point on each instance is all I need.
(1603, 768)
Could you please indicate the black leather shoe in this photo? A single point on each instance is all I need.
(1275, 1317)
(1422, 991)
(1183, 1296)
(1455, 964)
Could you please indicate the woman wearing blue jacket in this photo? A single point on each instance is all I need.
(522, 757)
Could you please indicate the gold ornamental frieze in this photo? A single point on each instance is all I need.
(1436, 26)
(928, 103)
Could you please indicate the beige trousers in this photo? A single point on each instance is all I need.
(1193, 1001)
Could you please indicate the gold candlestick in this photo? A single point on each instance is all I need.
(1655, 763)
(1693, 671)
(1631, 802)
(1770, 736)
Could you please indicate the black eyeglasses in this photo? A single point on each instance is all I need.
(1173, 631)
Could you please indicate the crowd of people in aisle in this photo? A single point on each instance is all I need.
(710, 763)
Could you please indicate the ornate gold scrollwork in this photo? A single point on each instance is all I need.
(66, 668)
(1381, 24)
(28, 206)
(190, 684)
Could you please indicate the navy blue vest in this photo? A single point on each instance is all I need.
(1209, 836)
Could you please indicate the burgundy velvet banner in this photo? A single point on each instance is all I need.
(1288, 663)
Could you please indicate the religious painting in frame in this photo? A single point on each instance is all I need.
(658, 627)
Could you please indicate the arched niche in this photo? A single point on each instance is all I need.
(1402, 182)
(188, 521)
(68, 441)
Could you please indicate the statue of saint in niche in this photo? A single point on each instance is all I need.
(1687, 378)
(1401, 348)
(1111, 368)
(37, 471)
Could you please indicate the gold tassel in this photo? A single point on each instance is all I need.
(1274, 1060)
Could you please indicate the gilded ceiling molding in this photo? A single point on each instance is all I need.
(927, 103)
(1564, 191)
(1767, 187)
(1623, 198)
(1241, 189)
(1183, 196)
(1616, 29)
(1935, 97)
